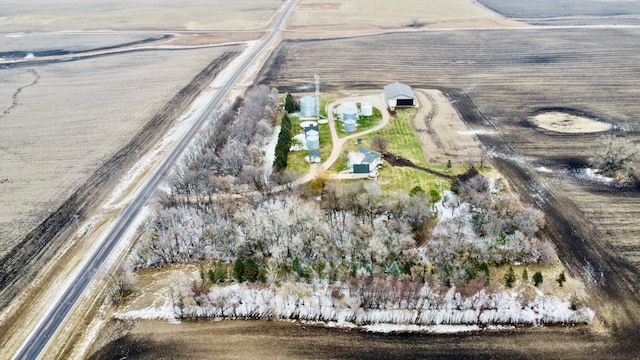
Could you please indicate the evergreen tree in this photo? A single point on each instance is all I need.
(251, 270)
(212, 276)
(238, 270)
(455, 186)
(509, 277)
(297, 267)
(537, 278)
(284, 143)
(448, 164)
(220, 272)
(289, 104)
(561, 279)
(525, 275)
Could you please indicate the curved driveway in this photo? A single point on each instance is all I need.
(338, 142)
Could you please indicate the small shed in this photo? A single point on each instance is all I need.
(399, 95)
(314, 156)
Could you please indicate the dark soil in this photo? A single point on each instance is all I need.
(275, 340)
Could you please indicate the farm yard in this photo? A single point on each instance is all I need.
(532, 101)
(497, 80)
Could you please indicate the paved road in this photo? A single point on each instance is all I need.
(38, 339)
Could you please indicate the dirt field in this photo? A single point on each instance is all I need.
(276, 340)
(69, 117)
(326, 18)
(58, 162)
(164, 15)
(569, 11)
(510, 74)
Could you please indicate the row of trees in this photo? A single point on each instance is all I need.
(285, 138)
(231, 151)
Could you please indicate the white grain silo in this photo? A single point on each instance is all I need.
(313, 140)
(307, 107)
(366, 109)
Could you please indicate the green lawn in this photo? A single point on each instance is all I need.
(402, 141)
(296, 162)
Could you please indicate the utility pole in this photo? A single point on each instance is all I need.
(317, 81)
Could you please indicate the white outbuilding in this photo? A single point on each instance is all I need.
(399, 95)
(366, 109)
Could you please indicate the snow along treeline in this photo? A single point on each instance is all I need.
(362, 302)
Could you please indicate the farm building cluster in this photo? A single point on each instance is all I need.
(363, 162)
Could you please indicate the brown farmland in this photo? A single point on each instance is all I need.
(496, 79)
(74, 133)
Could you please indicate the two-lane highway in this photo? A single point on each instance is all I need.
(47, 327)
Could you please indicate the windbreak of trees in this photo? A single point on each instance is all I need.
(230, 153)
(481, 227)
(285, 137)
(355, 231)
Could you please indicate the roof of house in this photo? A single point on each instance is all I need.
(314, 153)
(397, 89)
(369, 155)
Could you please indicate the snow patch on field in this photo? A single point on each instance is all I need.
(593, 175)
(476, 132)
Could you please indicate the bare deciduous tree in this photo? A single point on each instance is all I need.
(616, 156)
(380, 143)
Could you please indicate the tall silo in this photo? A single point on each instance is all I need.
(307, 107)
(349, 125)
(349, 110)
(366, 109)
